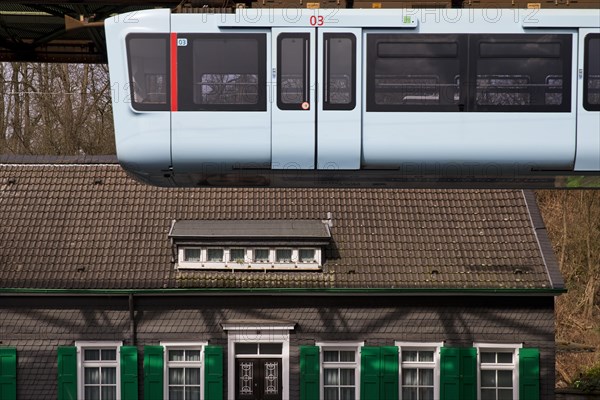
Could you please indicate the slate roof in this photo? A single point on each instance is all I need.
(311, 229)
(90, 226)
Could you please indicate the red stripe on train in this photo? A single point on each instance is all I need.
(173, 71)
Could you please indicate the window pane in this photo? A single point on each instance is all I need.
(237, 255)
(92, 393)
(525, 72)
(426, 356)
(592, 74)
(283, 255)
(410, 72)
(230, 75)
(109, 393)
(108, 354)
(346, 377)
(488, 378)
(214, 255)
(175, 376)
(426, 393)
(347, 394)
(91, 354)
(306, 255)
(192, 393)
(409, 376)
(347, 356)
(506, 358)
(487, 357)
(409, 393)
(148, 71)
(246, 348)
(330, 356)
(340, 65)
(330, 376)
(176, 393)
(331, 393)
(505, 378)
(192, 255)
(426, 377)
(91, 376)
(261, 255)
(192, 355)
(175, 355)
(505, 394)
(270, 348)
(109, 375)
(488, 394)
(292, 70)
(409, 355)
(192, 376)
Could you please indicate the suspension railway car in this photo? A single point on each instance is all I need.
(301, 97)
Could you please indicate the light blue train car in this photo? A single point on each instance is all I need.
(374, 97)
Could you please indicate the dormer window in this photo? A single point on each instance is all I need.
(247, 245)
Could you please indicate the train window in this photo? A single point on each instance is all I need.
(591, 83)
(339, 60)
(147, 56)
(293, 70)
(222, 72)
(408, 72)
(522, 73)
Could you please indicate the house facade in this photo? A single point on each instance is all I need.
(110, 289)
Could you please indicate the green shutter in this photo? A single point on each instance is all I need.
(468, 373)
(153, 372)
(370, 358)
(213, 373)
(8, 373)
(529, 374)
(389, 373)
(129, 373)
(458, 373)
(309, 372)
(67, 373)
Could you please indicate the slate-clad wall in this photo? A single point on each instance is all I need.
(37, 325)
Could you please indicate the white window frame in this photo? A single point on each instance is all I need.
(421, 346)
(259, 334)
(81, 364)
(249, 263)
(499, 347)
(182, 346)
(340, 346)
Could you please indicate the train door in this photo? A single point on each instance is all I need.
(588, 102)
(316, 118)
(222, 115)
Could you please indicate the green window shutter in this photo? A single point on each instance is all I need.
(129, 373)
(449, 373)
(8, 373)
(529, 374)
(389, 389)
(468, 373)
(370, 358)
(309, 372)
(67, 373)
(153, 372)
(213, 373)
(458, 373)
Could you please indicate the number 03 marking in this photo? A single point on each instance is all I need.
(317, 20)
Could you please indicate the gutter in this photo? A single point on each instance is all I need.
(329, 292)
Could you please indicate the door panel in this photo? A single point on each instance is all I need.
(293, 115)
(588, 102)
(258, 379)
(339, 112)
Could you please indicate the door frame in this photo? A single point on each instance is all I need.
(241, 333)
